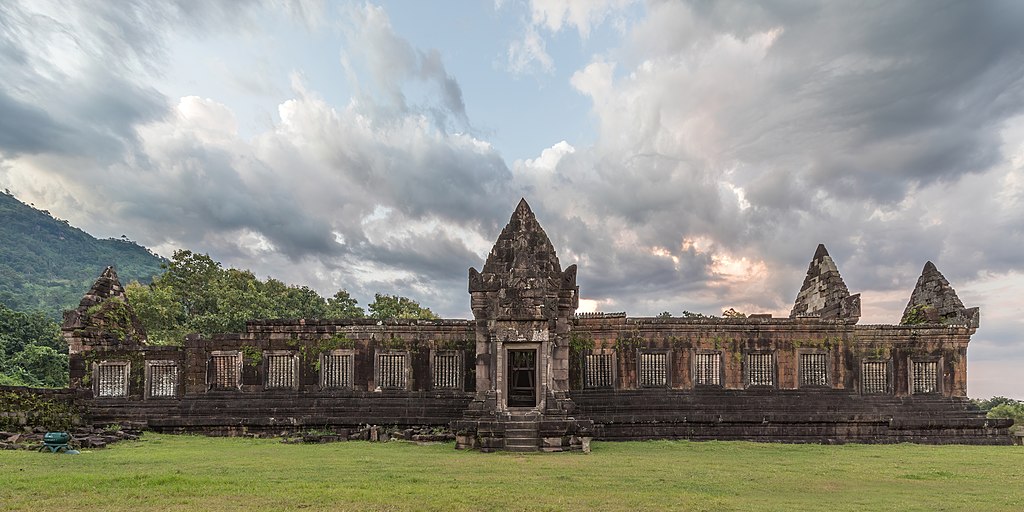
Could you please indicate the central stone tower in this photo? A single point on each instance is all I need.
(523, 303)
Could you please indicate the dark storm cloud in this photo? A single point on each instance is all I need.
(73, 74)
(431, 255)
(450, 181)
(27, 129)
(899, 95)
(203, 191)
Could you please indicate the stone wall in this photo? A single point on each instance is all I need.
(794, 416)
(844, 345)
(253, 405)
(49, 409)
(816, 376)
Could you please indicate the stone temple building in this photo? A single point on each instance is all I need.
(528, 373)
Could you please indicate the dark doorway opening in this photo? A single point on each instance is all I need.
(522, 378)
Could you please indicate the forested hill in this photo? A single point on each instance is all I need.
(46, 264)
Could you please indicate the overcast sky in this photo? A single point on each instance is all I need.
(684, 155)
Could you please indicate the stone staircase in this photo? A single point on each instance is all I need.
(522, 432)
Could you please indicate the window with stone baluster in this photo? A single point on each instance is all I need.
(336, 369)
(874, 377)
(599, 370)
(111, 378)
(446, 367)
(652, 371)
(282, 368)
(225, 370)
(924, 377)
(391, 369)
(707, 369)
(161, 379)
(760, 369)
(813, 369)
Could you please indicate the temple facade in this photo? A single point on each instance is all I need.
(528, 373)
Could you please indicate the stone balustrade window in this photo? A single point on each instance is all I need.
(925, 376)
(653, 371)
(599, 371)
(707, 369)
(760, 370)
(161, 379)
(336, 369)
(447, 369)
(813, 369)
(874, 377)
(111, 379)
(282, 370)
(391, 370)
(225, 370)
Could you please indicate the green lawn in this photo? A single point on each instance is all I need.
(166, 473)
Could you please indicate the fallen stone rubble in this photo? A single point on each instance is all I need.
(87, 438)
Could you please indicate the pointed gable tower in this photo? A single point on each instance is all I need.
(824, 294)
(935, 301)
(522, 304)
(103, 318)
(522, 278)
(523, 296)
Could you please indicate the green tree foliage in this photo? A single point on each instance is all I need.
(40, 366)
(32, 352)
(691, 314)
(664, 314)
(342, 305)
(197, 294)
(46, 264)
(1002, 407)
(386, 307)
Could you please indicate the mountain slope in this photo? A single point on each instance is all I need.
(46, 264)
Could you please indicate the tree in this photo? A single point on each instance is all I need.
(40, 366)
(394, 306)
(197, 294)
(18, 329)
(342, 305)
(191, 276)
(32, 351)
(732, 313)
(691, 314)
(300, 302)
(160, 312)
(991, 403)
(664, 314)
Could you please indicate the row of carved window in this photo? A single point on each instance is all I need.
(111, 379)
(758, 370)
(282, 372)
(391, 370)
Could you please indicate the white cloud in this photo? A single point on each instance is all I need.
(583, 15)
(529, 52)
(547, 17)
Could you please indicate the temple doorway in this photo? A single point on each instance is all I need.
(522, 378)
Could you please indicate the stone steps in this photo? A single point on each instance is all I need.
(522, 433)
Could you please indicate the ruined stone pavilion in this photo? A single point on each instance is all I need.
(528, 373)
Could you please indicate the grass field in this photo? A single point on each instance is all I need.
(167, 473)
